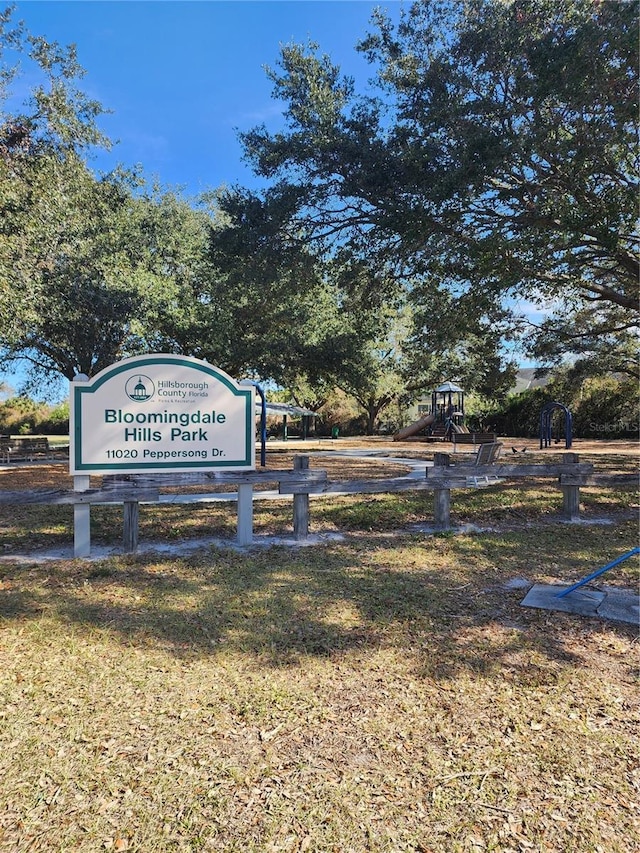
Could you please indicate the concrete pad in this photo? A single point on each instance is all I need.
(172, 549)
(545, 596)
(517, 583)
(620, 605)
(610, 603)
(585, 522)
(458, 529)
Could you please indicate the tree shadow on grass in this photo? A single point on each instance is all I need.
(440, 601)
(36, 526)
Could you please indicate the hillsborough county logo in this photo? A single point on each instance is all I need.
(140, 388)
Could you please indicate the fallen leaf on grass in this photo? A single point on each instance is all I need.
(118, 843)
(269, 735)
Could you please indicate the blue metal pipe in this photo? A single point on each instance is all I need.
(263, 420)
(598, 572)
(263, 426)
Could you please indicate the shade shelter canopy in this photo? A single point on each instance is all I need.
(449, 387)
(287, 411)
(447, 401)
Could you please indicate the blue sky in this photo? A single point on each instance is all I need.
(181, 78)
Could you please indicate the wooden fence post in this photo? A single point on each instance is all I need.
(245, 514)
(571, 494)
(442, 497)
(301, 503)
(81, 519)
(130, 527)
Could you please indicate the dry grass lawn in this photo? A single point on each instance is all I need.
(383, 693)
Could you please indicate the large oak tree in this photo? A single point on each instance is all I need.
(495, 157)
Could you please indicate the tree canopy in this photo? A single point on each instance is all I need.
(46, 190)
(495, 157)
(95, 268)
(492, 159)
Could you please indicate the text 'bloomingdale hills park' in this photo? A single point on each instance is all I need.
(176, 433)
(149, 441)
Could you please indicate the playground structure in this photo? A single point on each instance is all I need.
(546, 425)
(447, 404)
(445, 419)
(415, 428)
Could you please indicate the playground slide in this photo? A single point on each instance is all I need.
(415, 427)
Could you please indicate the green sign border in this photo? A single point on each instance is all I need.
(90, 387)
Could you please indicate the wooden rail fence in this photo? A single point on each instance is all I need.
(441, 478)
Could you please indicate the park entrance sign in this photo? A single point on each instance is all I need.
(159, 413)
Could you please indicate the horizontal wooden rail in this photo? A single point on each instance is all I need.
(505, 471)
(303, 486)
(206, 478)
(90, 496)
(394, 484)
(599, 480)
(133, 489)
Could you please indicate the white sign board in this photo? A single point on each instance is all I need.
(158, 413)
